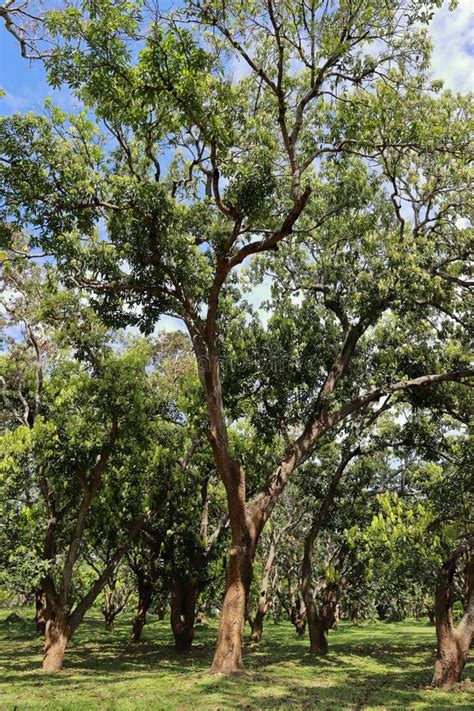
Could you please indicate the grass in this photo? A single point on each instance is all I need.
(370, 666)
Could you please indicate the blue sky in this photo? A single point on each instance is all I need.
(452, 33)
(453, 61)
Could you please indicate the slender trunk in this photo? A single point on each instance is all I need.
(257, 622)
(57, 635)
(319, 624)
(318, 633)
(145, 596)
(41, 613)
(184, 597)
(452, 643)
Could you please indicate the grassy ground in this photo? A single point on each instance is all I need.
(371, 666)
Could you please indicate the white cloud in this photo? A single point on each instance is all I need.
(169, 324)
(453, 46)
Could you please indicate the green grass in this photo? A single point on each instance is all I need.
(371, 666)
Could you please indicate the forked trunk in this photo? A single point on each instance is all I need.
(453, 644)
(228, 654)
(57, 636)
(109, 621)
(298, 615)
(322, 621)
(184, 597)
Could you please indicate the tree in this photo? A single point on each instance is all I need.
(453, 642)
(333, 83)
(83, 447)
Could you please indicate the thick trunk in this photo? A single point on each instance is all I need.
(453, 644)
(318, 635)
(57, 636)
(184, 597)
(228, 654)
(451, 658)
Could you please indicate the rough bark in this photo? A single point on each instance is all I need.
(453, 643)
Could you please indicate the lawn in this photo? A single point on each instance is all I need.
(370, 666)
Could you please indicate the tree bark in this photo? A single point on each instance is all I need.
(228, 654)
(145, 596)
(57, 635)
(184, 595)
(453, 643)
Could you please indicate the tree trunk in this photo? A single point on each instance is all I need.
(451, 659)
(57, 636)
(109, 609)
(298, 615)
(41, 613)
(318, 635)
(145, 596)
(257, 622)
(319, 624)
(184, 597)
(452, 644)
(228, 654)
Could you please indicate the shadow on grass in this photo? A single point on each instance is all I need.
(382, 664)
